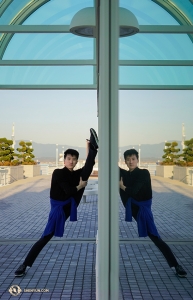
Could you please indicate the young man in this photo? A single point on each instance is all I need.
(67, 188)
(136, 195)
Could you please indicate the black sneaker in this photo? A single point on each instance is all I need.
(20, 271)
(180, 271)
(94, 139)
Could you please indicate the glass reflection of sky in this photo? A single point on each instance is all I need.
(68, 46)
(47, 75)
(158, 75)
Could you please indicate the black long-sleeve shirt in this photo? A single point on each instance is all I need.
(63, 184)
(138, 185)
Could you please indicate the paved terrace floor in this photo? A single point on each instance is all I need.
(66, 266)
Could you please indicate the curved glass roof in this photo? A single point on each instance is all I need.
(159, 56)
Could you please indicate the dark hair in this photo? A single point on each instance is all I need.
(71, 152)
(130, 152)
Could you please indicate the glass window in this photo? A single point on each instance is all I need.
(49, 46)
(46, 75)
(156, 75)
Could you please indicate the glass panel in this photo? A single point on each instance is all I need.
(49, 46)
(156, 46)
(158, 117)
(149, 13)
(57, 12)
(46, 75)
(156, 75)
(53, 12)
(147, 120)
(12, 10)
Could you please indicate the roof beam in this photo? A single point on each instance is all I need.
(91, 62)
(65, 29)
(48, 87)
(150, 63)
(33, 63)
(166, 29)
(34, 28)
(93, 87)
(156, 87)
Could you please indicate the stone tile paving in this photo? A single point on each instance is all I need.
(144, 273)
(68, 270)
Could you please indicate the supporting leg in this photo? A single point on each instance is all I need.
(165, 250)
(36, 249)
(162, 246)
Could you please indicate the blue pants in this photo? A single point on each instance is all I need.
(162, 246)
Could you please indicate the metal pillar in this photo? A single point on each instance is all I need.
(108, 223)
(139, 163)
(57, 155)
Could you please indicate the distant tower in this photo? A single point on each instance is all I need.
(183, 136)
(13, 136)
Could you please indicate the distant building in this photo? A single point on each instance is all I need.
(13, 136)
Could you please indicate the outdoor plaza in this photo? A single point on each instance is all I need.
(65, 269)
(109, 47)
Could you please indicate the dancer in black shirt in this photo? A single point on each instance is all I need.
(136, 195)
(67, 188)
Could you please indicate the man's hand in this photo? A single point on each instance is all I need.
(81, 184)
(122, 186)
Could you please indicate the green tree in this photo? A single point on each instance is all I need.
(188, 152)
(26, 154)
(170, 156)
(7, 153)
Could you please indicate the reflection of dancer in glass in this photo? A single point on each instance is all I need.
(67, 187)
(136, 195)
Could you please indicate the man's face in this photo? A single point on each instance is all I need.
(131, 162)
(70, 161)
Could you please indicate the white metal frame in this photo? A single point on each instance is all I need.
(108, 229)
(153, 29)
(108, 226)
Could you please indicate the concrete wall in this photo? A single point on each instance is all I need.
(13, 173)
(31, 170)
(164, 171)
(184, 174)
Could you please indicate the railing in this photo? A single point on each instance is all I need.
(6, 178)
(184, 179)
(47, 169)
(150, 167)
(191, 177)
(3, 176)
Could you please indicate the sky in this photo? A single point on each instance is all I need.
(65, 117)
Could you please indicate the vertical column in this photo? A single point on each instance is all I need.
(56, 155)
(108, 224)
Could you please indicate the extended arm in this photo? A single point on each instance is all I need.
(69, 188)
(81, 185)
